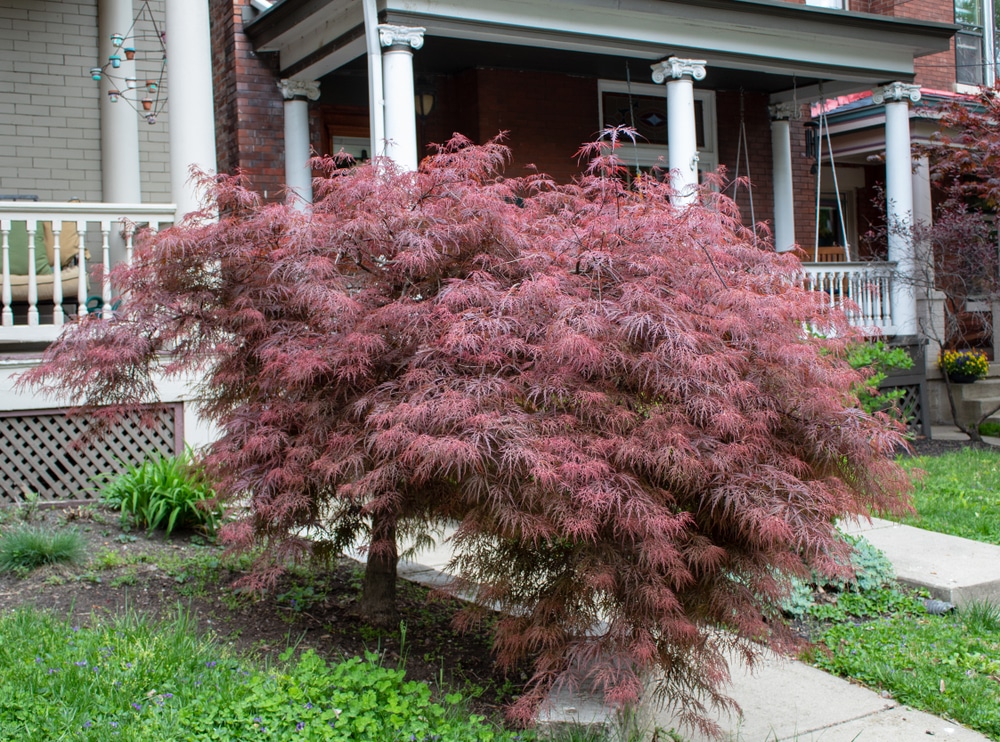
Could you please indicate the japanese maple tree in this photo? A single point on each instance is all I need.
(619, 401)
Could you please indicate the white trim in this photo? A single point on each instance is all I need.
(648, 155)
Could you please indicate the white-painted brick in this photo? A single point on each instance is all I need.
(51, 139)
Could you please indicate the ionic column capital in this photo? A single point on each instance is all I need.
(291, 89)
(675, 68)
(784, 111)
(897, 91)
(410, 36)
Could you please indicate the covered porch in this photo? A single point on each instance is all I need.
(722, 82)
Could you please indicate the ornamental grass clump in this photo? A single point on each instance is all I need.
(26, 547)
(613, 395)
(964, 364)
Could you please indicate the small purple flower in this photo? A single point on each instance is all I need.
(211, 663)
(76, 629)
(300, 726)
(96, 668)
(81, 663)
(137, 706)
(257, 720)
(168, 695)
(88, 724)
(38, 659)
(53, 670)
(308, 705)
(113, 724)
(128, 665)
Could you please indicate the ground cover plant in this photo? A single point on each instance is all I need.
(132, 679)
(957, 493)
(613, 395)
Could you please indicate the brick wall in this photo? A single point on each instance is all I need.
(758, 148)
(50, 138)
(249, 109)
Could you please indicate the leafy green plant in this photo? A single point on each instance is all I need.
(990, 428)
(27, 547)
(879, 359)
(165, 492)
(138, 680)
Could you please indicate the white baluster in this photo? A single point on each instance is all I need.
(7, 318)
(57, 287)
(81, 260)
(32, 275)
(106, 269)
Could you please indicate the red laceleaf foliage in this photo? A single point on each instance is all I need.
(967, 158)
(617, 400)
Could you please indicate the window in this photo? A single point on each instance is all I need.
(977, 45)
(839, 4)
(644, 107)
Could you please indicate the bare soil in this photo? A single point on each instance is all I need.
(129, 570)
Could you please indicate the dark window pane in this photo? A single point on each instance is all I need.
(969, 58)
(647, 114)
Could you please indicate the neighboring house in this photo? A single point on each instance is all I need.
(706, 82)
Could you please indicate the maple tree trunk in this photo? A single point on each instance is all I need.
(378, 596)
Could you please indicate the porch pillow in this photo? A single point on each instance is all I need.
(18, 241)
(69, 243)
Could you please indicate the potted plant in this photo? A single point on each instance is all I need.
(964, 366)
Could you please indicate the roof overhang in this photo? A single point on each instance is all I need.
(315, 37)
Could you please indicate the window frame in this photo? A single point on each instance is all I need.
(657, 155)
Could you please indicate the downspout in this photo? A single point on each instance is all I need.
(376, 118)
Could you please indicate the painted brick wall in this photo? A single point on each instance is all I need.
(249, 110)
(50, 141)
(49, 126)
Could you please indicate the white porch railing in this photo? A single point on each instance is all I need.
(867, 285)
(74, 236)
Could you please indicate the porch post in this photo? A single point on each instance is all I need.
(682, 130)
(120, 180)
(899, 200)
(781, 158)
(398, 43)
(298, 174)
(192, 108)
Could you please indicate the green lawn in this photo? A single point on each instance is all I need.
(958, 494)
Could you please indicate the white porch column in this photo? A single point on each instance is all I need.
(899, 199)
(398, 43)
(298, 174)
(682, 131)
(781, 158)
(191, 107)
(120, 181)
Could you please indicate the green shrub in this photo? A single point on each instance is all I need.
(165, 492)
(991, 428)
(136, 680)
(881, 359)
(27, 547)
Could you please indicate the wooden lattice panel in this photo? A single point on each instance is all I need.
(40, 451)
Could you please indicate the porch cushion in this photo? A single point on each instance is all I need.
(69, 243)
(70, 283)
(18, 241)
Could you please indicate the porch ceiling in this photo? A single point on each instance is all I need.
(742, 37)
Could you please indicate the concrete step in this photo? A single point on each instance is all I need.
(984, 389)
(953, 569)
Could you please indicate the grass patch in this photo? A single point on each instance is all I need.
(26, 547)
(959, 494)
(946, 665)
(135, 680)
